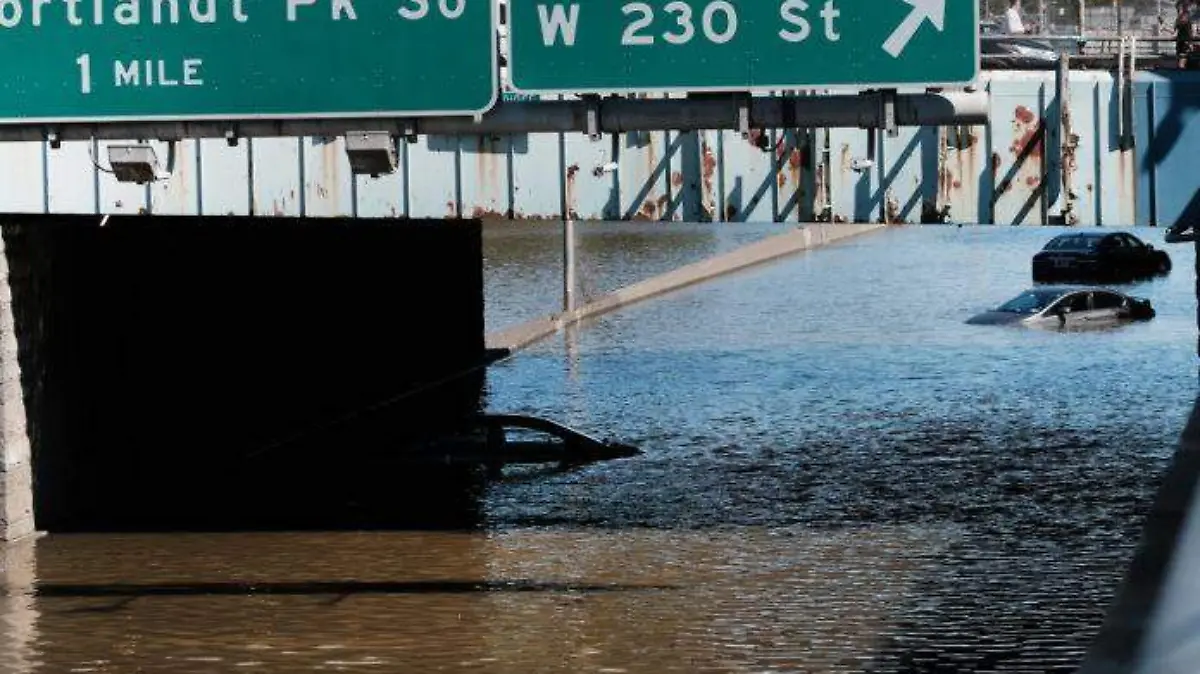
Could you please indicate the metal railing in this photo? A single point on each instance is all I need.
(1086, 50)
(1115, 18)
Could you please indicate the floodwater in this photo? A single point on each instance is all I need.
(839, 476)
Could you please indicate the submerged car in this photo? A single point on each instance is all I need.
(1098, 256)
(500, 439)
(1068, 308)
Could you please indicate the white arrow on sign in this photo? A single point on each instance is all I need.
(933, 11)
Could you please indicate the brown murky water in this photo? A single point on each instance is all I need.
(817, 494)
(736, 600)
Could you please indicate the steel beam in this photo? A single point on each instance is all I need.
(613, 115)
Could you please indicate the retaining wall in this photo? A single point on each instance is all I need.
(1126, 165)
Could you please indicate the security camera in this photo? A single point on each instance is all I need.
(133, 163)
(371, 153)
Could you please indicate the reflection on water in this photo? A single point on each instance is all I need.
(839, 476)
(841, 390)
(523, 261)
(18, 607)
(639, 600)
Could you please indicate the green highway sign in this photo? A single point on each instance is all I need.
(179, 60)
(594, 46)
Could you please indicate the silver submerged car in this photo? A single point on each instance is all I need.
(1068, 308)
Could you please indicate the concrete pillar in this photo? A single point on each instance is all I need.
(16, 461)
(18, 605)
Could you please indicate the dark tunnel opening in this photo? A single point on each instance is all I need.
(232, 373)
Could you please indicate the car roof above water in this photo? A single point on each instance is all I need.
(1065, 289)
(1068, 288)
(1076, 241)
(1085, 234)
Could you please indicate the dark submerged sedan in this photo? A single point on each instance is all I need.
(1098, 256)
(498, 439)
(1068, 308)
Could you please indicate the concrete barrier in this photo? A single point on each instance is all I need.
(1152, 626)
(804, 238)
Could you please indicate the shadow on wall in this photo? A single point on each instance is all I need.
(215, 373)
(1171, 102)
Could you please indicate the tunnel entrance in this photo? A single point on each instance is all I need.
(220, 373)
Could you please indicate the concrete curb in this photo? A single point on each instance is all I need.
(804, 238)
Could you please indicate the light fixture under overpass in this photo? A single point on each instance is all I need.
(371, 152)
(133, 163)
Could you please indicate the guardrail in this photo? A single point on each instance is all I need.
(1140, 45)
(1085, 52)
(1098, 44)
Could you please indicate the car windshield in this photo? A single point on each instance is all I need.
(1073, 242)
(1029, 302)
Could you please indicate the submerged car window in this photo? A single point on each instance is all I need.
(1029, 302)
(1077, 302)
(1073, 242)
(1107, 301)
(529, 435)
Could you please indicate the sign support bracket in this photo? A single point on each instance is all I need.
(409, 131)
(743, 115)
(592, 116)
(888, 100)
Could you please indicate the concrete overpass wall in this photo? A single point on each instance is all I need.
(1018, 170)
(200, 372)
